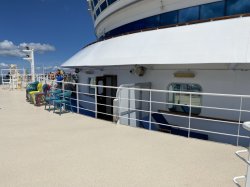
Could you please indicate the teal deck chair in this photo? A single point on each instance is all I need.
(53, 95)
(65, 99)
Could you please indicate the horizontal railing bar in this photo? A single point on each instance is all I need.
(127, 112)
(86, 109)
(165, 91)
(84, 101)
(167, 103)
(112, 106)
(168, 125)
(84, 93)
(168, 114)
(146, 111)
(185, 127)
(217, 108)
(176, 115)
(215, 120)
(174, 126)
(219, 133)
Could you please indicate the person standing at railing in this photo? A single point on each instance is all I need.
(59, 78)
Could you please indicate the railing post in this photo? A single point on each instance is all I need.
(62, 86)
(246, 126)
(77, 98)
(241, 100)
(189, 115)
(2, 81)
(63, 94)
(12, 82)
(150, 109)
(129, 119)
(96, 101)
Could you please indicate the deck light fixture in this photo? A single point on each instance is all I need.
(138, 70)
(30, 58)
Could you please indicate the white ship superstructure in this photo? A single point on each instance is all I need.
(199, 46)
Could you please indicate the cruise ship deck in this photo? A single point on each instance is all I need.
(40, 148)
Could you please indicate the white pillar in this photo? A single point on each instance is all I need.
(32, 65)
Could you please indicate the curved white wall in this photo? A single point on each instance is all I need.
(224, 41)
(126, 11)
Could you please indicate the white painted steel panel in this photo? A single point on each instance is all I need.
(225, 41)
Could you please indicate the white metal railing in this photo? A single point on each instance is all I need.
(20, 81)
(85, 101)
(243, 177)
(229, 126)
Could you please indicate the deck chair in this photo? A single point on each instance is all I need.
(31, 87)
(39, 98)
(52, 95)
(31, 94)
(65, 99)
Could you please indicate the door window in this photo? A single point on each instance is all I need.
(100, 89)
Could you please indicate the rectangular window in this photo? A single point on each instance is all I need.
(168, 18)
(95, 2)
(150, 22)
(92, 6)
(103, 6)
(111, 1)
(189, 14)
(131, 27)
(238, 7)
(213, 10)
(183, 99)
(97, 12)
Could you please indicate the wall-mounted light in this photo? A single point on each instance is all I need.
(138, 70)
(184, 74)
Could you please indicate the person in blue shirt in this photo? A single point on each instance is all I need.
(59, 78)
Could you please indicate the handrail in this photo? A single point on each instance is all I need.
(162, 91)
(190, 116)
(83, 102)
(20, 80)
(235, 179)
(238, 155)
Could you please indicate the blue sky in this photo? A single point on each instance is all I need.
(58, 28)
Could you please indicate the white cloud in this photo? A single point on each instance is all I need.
(7, 45)
(8, 48)
(56, 67)
(40, 48)
(4, 64)
(48, 67)
(13, 52)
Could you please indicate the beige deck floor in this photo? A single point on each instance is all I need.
(38, 148)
